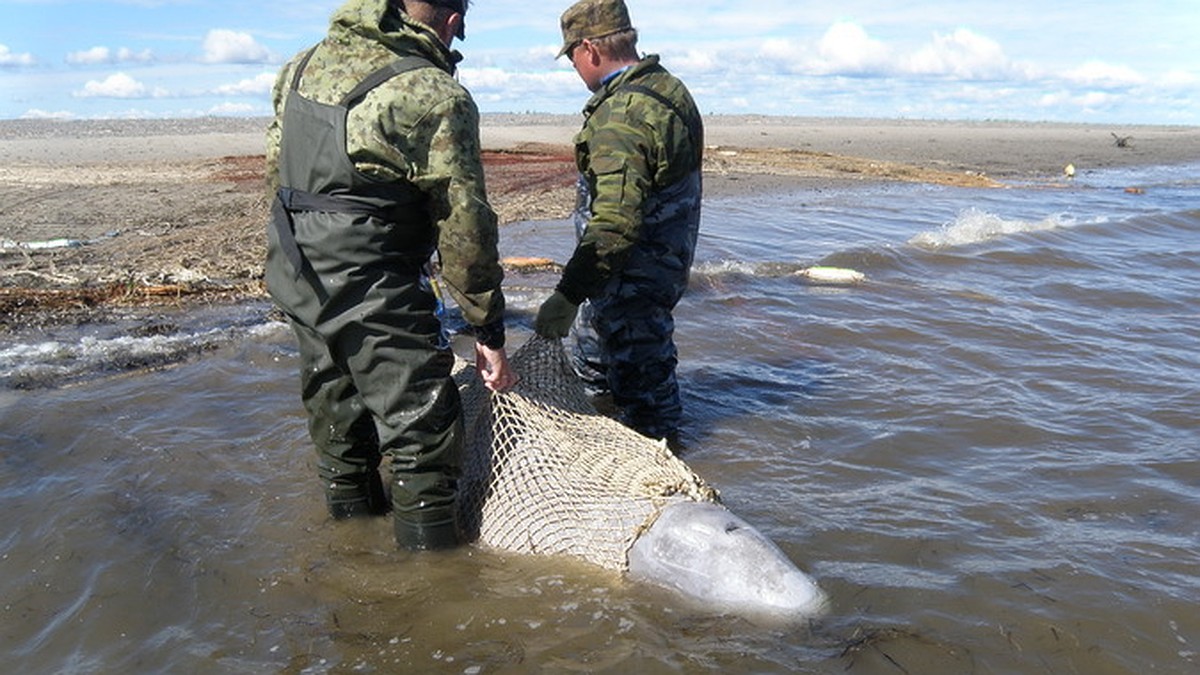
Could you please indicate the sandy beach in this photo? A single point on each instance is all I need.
(99, 215)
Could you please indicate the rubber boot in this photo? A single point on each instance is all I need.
(357, 499)
(430, 529)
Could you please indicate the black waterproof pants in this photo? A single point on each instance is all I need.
(374, 370)
(377, 393)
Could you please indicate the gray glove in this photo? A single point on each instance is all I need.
(555, 316)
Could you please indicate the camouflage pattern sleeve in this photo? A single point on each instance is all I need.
(615, 158)
(452, 175)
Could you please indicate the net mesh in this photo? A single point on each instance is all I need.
(545, 473)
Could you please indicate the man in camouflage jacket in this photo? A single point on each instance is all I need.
(639, 155)
(375, 160)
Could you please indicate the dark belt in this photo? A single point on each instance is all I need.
(289, 201)
(299, 200)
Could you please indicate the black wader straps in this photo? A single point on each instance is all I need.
(300, 68)
(289, 201)
(401, 65)
(285, 230)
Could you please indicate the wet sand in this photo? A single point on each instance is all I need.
(150, 212)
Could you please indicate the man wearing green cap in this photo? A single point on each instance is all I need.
(639, 156)
(374, 154)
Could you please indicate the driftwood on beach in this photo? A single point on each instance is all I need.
(173, 211)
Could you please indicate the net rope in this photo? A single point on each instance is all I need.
(545, 473)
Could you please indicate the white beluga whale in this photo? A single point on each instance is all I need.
(832, 275)
(711, 556)
(546, 474)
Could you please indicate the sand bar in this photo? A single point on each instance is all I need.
(171, 211)
(998, 149)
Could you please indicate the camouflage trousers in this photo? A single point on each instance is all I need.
(624, 339)
(628, 351)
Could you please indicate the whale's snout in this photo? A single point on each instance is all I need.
(710, 555)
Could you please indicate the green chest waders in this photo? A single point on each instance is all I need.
(344, 262)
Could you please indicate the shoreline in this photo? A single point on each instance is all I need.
(1002, 149)
(171, 212)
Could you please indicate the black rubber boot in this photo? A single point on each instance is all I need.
(424, 510)
(357, 499)
(430, 529)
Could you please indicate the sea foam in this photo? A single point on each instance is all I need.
(974, 225)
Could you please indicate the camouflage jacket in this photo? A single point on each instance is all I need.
(420, 128)
(642, 135)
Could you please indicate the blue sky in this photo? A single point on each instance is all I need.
(1064, 60)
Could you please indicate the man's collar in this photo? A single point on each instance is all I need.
(614, 74)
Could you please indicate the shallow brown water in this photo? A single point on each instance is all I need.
(987, 455)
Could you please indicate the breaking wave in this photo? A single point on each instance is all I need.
(974, 225)
(55, 362)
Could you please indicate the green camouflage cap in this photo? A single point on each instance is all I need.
(592, 19)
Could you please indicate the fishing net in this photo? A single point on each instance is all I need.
(545, 473)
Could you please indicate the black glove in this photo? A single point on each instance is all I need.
(555, 316)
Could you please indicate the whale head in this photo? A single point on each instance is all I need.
(721, 562)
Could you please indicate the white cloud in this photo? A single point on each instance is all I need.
(541, 56)
(832, 55)
(227, 46)
(1096, 99)
(695, 60)
(258, 85)
(118, 85)
(1179, 78)
(846, 49)
(126, 55)
(89, 56)
(1099, 74)
(782, 51)
(35, 114)
(773, 56)
(236, 109)
(962, 54)
(510, 91)
(97, 55)
(8, 58)
(493, 79)
(1086, 101)
(1053, 99)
